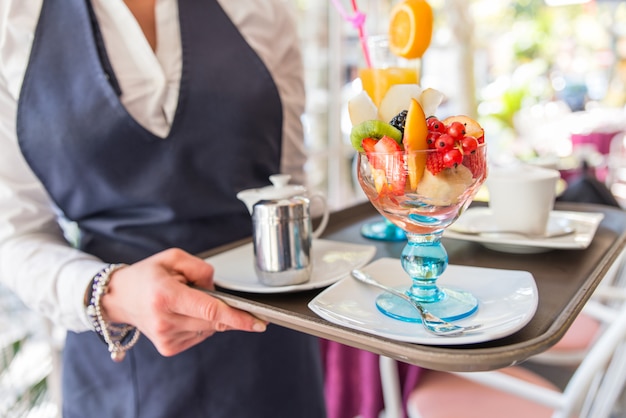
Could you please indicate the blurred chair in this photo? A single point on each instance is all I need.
(514, 391)
(587, 327)
(616, 168)
(595, 344)
(587, 188)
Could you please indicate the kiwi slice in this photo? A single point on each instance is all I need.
(373, 129)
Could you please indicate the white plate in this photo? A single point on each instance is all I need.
(507, 301)
(585, 225)
(331, 261)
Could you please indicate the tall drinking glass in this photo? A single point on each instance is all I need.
(386, 70)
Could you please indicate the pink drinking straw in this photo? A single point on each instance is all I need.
(358, 21)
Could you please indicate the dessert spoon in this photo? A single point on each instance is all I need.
(432, 323)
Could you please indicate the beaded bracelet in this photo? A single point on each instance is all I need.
(119, 338)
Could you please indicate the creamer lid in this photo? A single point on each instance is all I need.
(294, 208)
(278, 190)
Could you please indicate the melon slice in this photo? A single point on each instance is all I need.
(361, 108)
(397, 99)
(430, 99)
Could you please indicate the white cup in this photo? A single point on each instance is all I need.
(522, 197)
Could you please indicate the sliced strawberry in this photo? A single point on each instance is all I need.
(375, 148)
(387, 160)
(476, 163)
(387, 145)
(368, 144)
(435, 163)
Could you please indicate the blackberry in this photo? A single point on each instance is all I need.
(399, 120)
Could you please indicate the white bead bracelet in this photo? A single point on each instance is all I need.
(119, 338)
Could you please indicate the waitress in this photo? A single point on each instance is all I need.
(138, 121)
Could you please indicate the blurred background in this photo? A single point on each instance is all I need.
(545, 78)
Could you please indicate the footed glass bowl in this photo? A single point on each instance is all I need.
(420, 195)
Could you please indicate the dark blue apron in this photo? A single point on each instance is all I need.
(133, 194)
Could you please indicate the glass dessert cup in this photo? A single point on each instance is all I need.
(423, 205)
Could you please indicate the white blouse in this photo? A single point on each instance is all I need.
(35, 260)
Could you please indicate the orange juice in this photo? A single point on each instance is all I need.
(376, 81)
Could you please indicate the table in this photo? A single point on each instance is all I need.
(565, 281)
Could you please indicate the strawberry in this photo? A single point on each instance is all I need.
(434, 162)
(368, 144)
(387, 145)
(387, 160)
(384, 145)
(476, 164)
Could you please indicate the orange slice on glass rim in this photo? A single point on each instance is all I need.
(410, 28)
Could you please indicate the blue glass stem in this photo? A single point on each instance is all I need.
(424, 259)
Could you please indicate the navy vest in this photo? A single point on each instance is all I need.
(133, 194)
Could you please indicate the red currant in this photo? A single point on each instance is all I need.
(469, 144)
(444, 142)
(435, 125)
(456, 130)
(452, 157)
(431, 139)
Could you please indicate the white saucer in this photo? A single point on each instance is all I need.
(507, 302)
(585, 225)
(331, 260)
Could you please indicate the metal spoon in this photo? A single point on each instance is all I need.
(432, 323)
(555, 233)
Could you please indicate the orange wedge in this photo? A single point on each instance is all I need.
(415, 136)
(410, 28)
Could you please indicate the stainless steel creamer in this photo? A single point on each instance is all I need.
(282, 236)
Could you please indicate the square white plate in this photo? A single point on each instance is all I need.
(507, 302)
(585, 225)
(234, 269)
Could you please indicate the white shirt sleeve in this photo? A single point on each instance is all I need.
(36, 261)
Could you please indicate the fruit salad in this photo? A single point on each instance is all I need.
(418, 163)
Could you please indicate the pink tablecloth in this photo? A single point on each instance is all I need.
(352, 381)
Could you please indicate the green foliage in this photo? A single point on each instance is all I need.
(35, 394)
(511, 101)
(19, 394)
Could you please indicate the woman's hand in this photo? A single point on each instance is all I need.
(155, 296)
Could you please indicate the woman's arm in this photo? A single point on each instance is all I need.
(51, 277)
(36, 262)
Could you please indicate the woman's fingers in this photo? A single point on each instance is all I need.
(155, 295)
(194, 303)
(196, 316)
(194, 270)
